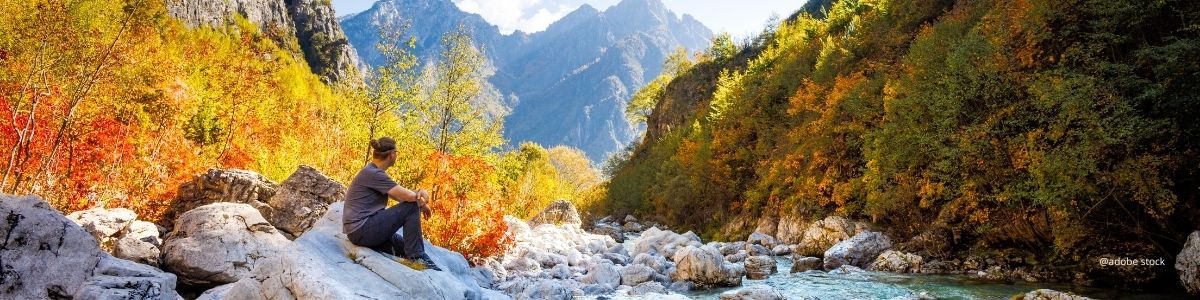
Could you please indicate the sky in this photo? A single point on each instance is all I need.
(740, 18)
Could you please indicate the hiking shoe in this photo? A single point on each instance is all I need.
(424, 259)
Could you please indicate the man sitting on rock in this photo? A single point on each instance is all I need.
(367, 220)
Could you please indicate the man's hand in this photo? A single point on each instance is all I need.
(423, 202)
(426, 211)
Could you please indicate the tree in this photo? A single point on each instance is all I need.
(647, 97)
(455, 123)
(394, 83)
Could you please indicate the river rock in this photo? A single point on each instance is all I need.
(821, 235)
(897, 262)
(1188, 263)
(733, 247)
(635, 274)
(804, 263)
(603, 273)
(220, 185)
(47, 256)
(540, 289)
(219, 243)
(648, 288)
(656, 262)
(738, 257)
(323, 264)
(630, 219)
(755, 249)
(632, 227)
(765, 240)
(858, 251)
(760, 267)
(664, 242)
(753, 292)
(1048, 294)
(301, 200)
(781, 250)
(705, 267)
(560, 212)
(612, 231)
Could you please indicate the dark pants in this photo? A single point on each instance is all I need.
(379, 231)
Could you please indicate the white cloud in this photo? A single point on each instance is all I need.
(511, 15)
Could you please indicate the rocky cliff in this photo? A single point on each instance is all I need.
(308, 27)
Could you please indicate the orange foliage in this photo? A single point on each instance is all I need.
(469, 218)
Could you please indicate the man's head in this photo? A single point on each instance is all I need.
(383, 152)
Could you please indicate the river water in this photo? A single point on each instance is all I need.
(882, 285)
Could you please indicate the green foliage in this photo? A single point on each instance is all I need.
(1030, 125)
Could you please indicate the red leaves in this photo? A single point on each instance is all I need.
(468, 217)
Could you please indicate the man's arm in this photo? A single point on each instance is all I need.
(402, 194)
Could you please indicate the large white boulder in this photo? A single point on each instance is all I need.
(664, 242)
(47, 256)
(603, 273)
(1048, 294)
(560, 212)
(220, 243)
(323, 264)
(857, 251)
(121, 234)
(821, 235)
(1188, 263)
(705, 267)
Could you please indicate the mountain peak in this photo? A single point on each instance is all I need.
(651, 5)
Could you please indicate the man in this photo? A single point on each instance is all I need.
(367, 222)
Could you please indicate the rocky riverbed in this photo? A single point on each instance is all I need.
(223, 243)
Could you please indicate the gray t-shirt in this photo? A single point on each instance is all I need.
(366, 196)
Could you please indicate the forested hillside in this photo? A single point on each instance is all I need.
(1057, 131)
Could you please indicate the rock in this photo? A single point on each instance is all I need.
(847, 270)
(560, 271)
(560, 212)
(705, 267)
(323, 264)
(630, 219)
(753, 292)
(760, 267)
(120, 233)
(635, 274)
(656, 262)
(781, 250)
(301, 200)
(858, 251)
(47, 256)
(731, 248)
(540, 289)
(767, 225)
(139, 242)
(612, 231)
(219, 243)
(664, 242)
(790, 229)
(603, 273)
(1188, 263)
(116, 278)
(766, 241)
(104, 224)
(805, 263)
(216, 293)
(755, 249)
(632, 227)
(898, 262)
(680, 286)
(1048, 294)
(737, 257)
(646, 288)
(821, 235)
(219, 185)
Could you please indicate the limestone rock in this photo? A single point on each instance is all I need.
(753, 292)
(805, 263)
(603, 273)
(821, 235)
(560, 212)
(705, 267)
(664, 242)
(301, 200)
(1188, 263)
(760, 267)
(790, 229)
(104, 224)
(323, 264)
(139, 242)
(47, 256)
(220, 243)
(635, 274)
(541, 289)
(898, 262)
(220, 185)
(121, 234)
(762, 239)
(857, 251)
(648, 288)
